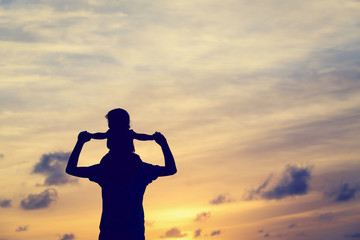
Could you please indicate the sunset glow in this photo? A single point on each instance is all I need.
(259, 102)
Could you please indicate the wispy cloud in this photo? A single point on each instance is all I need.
(253, 194)
(326, 217)
(38, 201)
(221, 199)
(202, 216)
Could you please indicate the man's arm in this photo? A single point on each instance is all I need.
(170, 166)
(72, 167)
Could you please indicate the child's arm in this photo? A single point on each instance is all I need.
(143, 137)
(99, 135)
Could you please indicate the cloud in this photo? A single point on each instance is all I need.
(252, 194)
(293, 225)
(202, 216)
(38, 201)
(2, 156)
(197, 233)
(301, 234)
(214, 233)
(295, 181)
(66, 236)
(16, 35)
(22, 229)
(174, 233)
(352, 235)
(330, 129)
(6, 203)
(326, 217)
(221, 199)
(52, 166)
(345, 193)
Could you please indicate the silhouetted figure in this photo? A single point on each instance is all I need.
(123, 178)
(119, 136)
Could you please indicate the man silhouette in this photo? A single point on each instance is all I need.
(123, 179)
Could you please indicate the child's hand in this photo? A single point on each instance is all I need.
(84, 137)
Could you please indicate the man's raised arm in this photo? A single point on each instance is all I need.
(72, 167)
(170, 166)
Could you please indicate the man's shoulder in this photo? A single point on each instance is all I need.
(143, 164)
(94, 172)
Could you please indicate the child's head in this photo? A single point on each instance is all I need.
(118, 119)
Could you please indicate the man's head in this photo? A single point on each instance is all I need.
(118, 118)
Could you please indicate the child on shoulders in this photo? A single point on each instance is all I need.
(120, 138)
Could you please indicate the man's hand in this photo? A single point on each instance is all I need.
(84, 137)
(160, 139)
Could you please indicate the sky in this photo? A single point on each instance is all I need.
(259, 102)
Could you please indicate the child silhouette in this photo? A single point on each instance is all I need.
(120, 138)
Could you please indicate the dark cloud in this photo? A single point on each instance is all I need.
(2, 155)
(214, 233)
(52, 166)
(295, 181)
(41, 200)
(293, 225)
(6, 203)
(66, 236)
(197, 233)
(352, 235)
(22, 229)
(301, 234)
(174, 233)
(221, 199)
(202, 216)
(267, 235)
(345, 193)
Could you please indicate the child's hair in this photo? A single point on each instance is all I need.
(118, 118)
